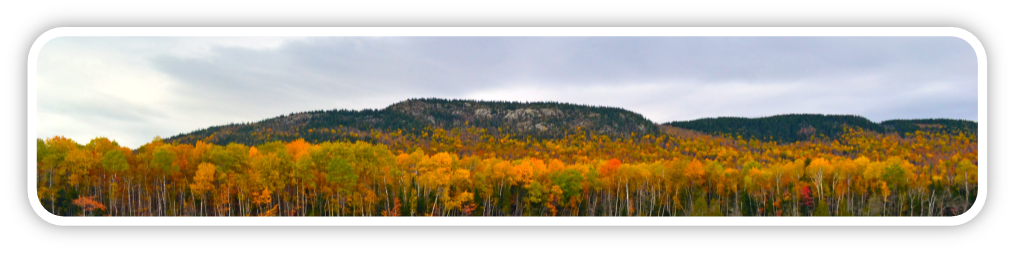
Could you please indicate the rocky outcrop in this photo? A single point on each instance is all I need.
(537, 118)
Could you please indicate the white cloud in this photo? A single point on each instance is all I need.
(84, 84)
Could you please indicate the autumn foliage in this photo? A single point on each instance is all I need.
(471, 172)
(87, 204)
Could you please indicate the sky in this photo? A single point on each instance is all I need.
(131, 89)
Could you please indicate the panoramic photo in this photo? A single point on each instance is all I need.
(507, 126)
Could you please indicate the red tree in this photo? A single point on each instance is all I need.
(806, 199)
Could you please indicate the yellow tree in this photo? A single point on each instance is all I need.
(967, 173)
(203, 180)
(263, 198)
(731, 185)
(696, 175)
(817, 169)
(79, 162)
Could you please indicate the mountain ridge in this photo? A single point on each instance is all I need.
(532, 119)
(540, 120)
(801, 127)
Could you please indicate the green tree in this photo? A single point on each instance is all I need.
(115, 161)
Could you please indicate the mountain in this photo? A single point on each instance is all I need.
(543, 120)
(537, 120)
(800, 127)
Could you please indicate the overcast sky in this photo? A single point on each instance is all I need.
(131, 89)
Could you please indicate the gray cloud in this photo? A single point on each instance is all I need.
(666, 78)
(104, 110)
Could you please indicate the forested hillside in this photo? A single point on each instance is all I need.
(931, 125)
(803, 127)
(542, 120)
(529, 120)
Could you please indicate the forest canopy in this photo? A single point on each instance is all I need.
(472, 172)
